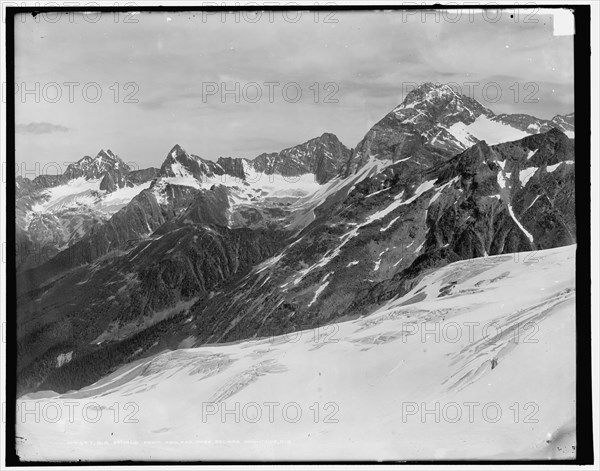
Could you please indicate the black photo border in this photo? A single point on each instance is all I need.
(582, 81)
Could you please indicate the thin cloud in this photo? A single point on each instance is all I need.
(41, 128)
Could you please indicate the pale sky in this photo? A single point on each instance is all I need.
(172, 61)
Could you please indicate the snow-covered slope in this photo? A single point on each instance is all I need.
(476, 361)
(292, 182)
(81, 192)
(293, 173)
(55, 211)
(485, 129)
(96, 167)
(63, 214)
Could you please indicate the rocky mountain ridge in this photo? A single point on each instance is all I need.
(436, 118)
(323, 156)
(55, 211)
(210, 253)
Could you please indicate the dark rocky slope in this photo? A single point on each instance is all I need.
(363, 249)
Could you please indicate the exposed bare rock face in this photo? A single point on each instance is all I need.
(205, 252)
(56, 211)
(435, 118)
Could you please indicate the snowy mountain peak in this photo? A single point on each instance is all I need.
(436, 120)
(96, 167)
(429, 91)
(328, 136)
(177, 150)
(440, 102)
(176, 163)
(323, 156)
(566, 123)
(106, 153)
(180, 163)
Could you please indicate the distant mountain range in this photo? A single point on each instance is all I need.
(199, 251)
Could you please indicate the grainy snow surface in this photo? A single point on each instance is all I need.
(477, 361)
